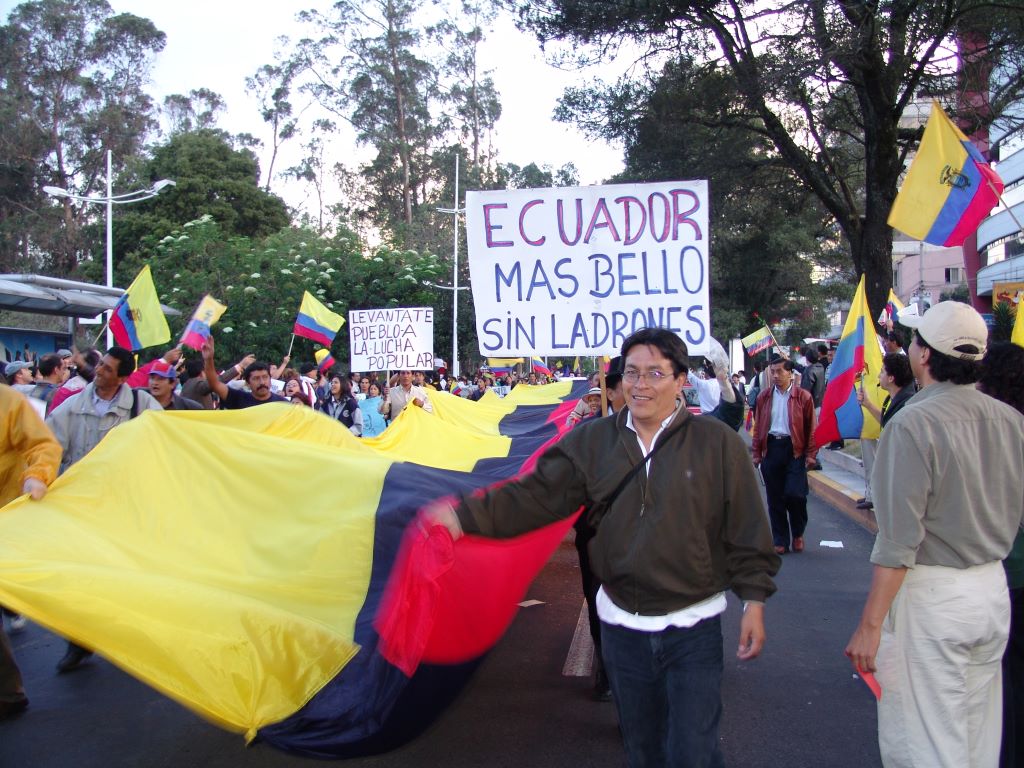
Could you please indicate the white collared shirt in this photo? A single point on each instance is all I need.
(610, 613)
(780, 411)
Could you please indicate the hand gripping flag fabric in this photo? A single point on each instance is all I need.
(260, 614)
(758, 341)
(316, 322)
(207, 313)
(857, 361)
(949, 188)
(138, 321)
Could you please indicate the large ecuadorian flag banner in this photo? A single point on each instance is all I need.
(265, 615)
(856, 364)
(949, 188)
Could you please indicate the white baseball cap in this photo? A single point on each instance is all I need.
(950, 327)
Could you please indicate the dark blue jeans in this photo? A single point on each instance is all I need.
(667, 690)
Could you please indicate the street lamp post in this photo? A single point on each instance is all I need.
(455, 273)
(110, 200)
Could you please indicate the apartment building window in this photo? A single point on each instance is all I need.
(954, 275)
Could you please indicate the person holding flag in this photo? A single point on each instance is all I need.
(949, 500)
(256, 376)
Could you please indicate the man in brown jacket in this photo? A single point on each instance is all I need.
(784, 449)
(687, 527)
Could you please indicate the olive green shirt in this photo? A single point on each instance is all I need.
(948, 480)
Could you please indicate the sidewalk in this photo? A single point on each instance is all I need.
(840, 483)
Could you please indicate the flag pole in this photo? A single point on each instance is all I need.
(103, 329)
(1009, 210)
(290, 344)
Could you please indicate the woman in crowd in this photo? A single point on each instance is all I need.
(342, 406)
(293, 391)
(373, 421)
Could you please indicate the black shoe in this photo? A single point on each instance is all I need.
(12, 708)
(816, 467)
(72, 659)
(865, 505)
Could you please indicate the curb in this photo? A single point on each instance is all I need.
(841, 498)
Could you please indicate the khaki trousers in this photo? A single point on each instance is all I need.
(939, 668)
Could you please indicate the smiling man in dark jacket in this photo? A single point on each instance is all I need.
(687, 527)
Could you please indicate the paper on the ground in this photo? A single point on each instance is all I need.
(530, 603)
(833, 544)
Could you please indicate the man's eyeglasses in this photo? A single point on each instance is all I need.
(652, 377)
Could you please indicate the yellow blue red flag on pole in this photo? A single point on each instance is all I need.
(316, 322)
(890, 310)
(758, 341)
(857, 362)
(138, 321)
(198, 329)
(949, 188)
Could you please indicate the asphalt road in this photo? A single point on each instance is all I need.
(797, 705)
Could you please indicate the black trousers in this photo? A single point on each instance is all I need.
(11, 688)
(590, 583)
(785, 482)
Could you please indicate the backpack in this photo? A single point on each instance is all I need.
(752, 392)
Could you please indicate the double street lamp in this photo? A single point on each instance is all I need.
(454, 287)
(111, 200)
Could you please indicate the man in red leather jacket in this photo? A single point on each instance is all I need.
(784, 449)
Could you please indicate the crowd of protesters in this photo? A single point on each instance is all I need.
(82, 395)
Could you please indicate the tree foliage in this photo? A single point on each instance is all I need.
(770, 240)
(366, 68)
(72, 78)
(827, 82)
(211, 178)
(262, 279)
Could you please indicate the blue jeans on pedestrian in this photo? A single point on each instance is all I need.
(667, 688)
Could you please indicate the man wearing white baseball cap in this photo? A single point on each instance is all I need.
(949, 499)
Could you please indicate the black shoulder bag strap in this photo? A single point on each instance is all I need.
(597, 511)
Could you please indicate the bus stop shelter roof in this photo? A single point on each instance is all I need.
(41, 295)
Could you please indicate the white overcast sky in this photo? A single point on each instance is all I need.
(218, 43)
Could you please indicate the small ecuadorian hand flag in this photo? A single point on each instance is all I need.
(316, 322)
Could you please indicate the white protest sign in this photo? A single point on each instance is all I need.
(578, 269)
(391, 339)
